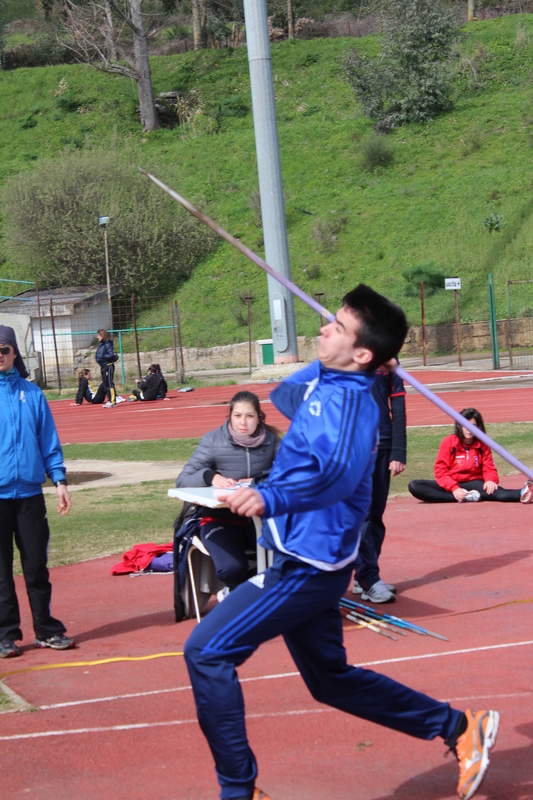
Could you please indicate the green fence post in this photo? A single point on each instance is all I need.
(121, 356)
(493, 325)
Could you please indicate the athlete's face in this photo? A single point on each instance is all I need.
(244, 418)
(338, 348)
(7, 359)
(467, 436)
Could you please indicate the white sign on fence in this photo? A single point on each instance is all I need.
(452, 283)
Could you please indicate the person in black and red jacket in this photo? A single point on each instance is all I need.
(389, 393)
(465, 471)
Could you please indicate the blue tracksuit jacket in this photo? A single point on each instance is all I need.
(318, 492)
(29, 445)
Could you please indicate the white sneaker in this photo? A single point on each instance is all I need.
(378, 593)
(109, 404)
(222, 594)
(120, 399)
(472, 496)
(526, 493)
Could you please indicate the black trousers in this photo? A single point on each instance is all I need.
(25, 519)
(431, 492)
(227, 544)
(373, 529)
(108, 379)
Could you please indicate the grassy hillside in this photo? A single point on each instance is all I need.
(428, 205)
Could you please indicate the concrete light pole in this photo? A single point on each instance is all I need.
(103, 222)
(270, 181)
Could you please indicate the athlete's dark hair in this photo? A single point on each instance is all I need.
(83, 373)
(250, 397)
(469, 413)
(383, 324)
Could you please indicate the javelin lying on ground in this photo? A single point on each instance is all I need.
(328, 315)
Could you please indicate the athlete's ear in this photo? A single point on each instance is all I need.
(362, 356)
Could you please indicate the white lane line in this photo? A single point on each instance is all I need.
(143, 725)
(277, 676)
(174, 722)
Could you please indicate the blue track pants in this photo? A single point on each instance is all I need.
(300, 603)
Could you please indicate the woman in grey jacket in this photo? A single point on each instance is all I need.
(240, 450)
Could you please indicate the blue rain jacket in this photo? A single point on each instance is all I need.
(29, 445)
(318, 492)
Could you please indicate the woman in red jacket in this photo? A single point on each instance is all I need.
(465, 471)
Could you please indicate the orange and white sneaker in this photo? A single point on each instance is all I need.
(472, 750)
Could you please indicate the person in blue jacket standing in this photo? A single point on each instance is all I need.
(29, 450)
(313, 505)
(106, 358)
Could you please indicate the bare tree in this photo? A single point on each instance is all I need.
(110, 35)
(290, 19)
(199, 24)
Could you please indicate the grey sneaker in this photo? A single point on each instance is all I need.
(358, 589)
(109, 404)
(379, 593)
(8, 649)
(57, 642)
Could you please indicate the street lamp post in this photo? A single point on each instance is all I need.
(103, 222)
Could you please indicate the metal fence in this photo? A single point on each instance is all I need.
(520, 324)
(57, 332)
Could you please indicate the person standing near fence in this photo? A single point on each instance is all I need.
(106, 358)
(29, 450)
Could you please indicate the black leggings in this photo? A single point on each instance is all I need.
(431, 492)
(85, 394)
(227, 543)
(108, 374)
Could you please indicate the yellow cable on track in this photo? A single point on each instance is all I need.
(90, 663)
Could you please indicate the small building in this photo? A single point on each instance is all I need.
(79, 311)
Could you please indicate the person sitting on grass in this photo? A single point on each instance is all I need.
(465, 471)
(86, 390)
(149, 387)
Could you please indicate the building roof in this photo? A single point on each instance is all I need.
(65, 301)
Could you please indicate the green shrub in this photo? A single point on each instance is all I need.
(45, 51)
(52, 232)
(234, 107)
(494, 222)
(376, 151)
(411, 81)
(432, 277)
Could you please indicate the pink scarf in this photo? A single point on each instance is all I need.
(248, 441)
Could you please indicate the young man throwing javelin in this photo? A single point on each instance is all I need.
(314, 503)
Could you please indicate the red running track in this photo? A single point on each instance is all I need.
(194, 413)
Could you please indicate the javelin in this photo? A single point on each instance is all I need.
(423, 390)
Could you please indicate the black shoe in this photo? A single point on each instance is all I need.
(8, 649)
(57, 642)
